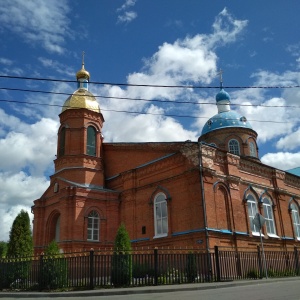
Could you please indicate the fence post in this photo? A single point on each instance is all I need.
(217, 263)
(155, 266)
(296, 261)
(92, 269)
(259, 263)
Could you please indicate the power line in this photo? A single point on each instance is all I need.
(143, 99)
(135, 112)
(150, 85)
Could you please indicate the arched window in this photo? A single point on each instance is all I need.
(160, 215)
(62, 142)
(93, 226)
(268, 214)
(252, 211)
(296, 220)
(91, 141)
(234, 147)
(252, 149)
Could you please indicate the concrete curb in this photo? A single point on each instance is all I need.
(144, 290)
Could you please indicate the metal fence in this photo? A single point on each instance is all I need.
(87, 270)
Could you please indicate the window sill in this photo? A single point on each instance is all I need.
(254, 233)
(160, 236)
(273, 236)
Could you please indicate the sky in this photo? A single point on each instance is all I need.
(179, 43)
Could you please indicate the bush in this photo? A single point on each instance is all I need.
(121, 272)
(54, 269)
(14, 273)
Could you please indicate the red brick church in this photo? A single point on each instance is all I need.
(168, 194)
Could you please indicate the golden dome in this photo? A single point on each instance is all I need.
(83, 73)
(81, 98)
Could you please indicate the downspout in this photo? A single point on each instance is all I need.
(203, 196)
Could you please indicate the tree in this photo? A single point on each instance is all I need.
(20, 242)
(3, 249)
(19, 250)
(121, 260)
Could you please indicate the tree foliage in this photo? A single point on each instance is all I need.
(54, 268)
(20, 242)
(122, 240)
(122, 261)
(3, 249)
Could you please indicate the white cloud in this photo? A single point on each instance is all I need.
(126, 16)
(127, 4)
(188, 60)
(6, 61)
(32, 147)
(26, 154)
(289, 142)
(272, 122)
(37, 21)
(282, 160)
(57, 66)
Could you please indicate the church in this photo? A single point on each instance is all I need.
(189, 194)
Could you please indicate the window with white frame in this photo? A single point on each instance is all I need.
(93, 226)
(234, 147)
(268, 215)
(160, 215)
(252, 211)
(252, 149)
(296, 220)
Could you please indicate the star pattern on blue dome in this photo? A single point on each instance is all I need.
(225, 120)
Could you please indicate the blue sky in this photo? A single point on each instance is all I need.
(152, 42)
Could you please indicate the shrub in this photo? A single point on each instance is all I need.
(14, 272)
(54, 270)
(121, 272)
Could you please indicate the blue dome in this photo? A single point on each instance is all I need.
(222, 95)
(225, 120)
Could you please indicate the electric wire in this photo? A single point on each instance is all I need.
(143, 99)
(150, 85)
(137, 112)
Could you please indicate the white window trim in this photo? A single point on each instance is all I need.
(93, 229)
(155, 220)
(294, 210)
(267, 217)
(237, 145)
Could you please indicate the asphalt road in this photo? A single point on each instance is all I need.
(286, 290)
(273, 291)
